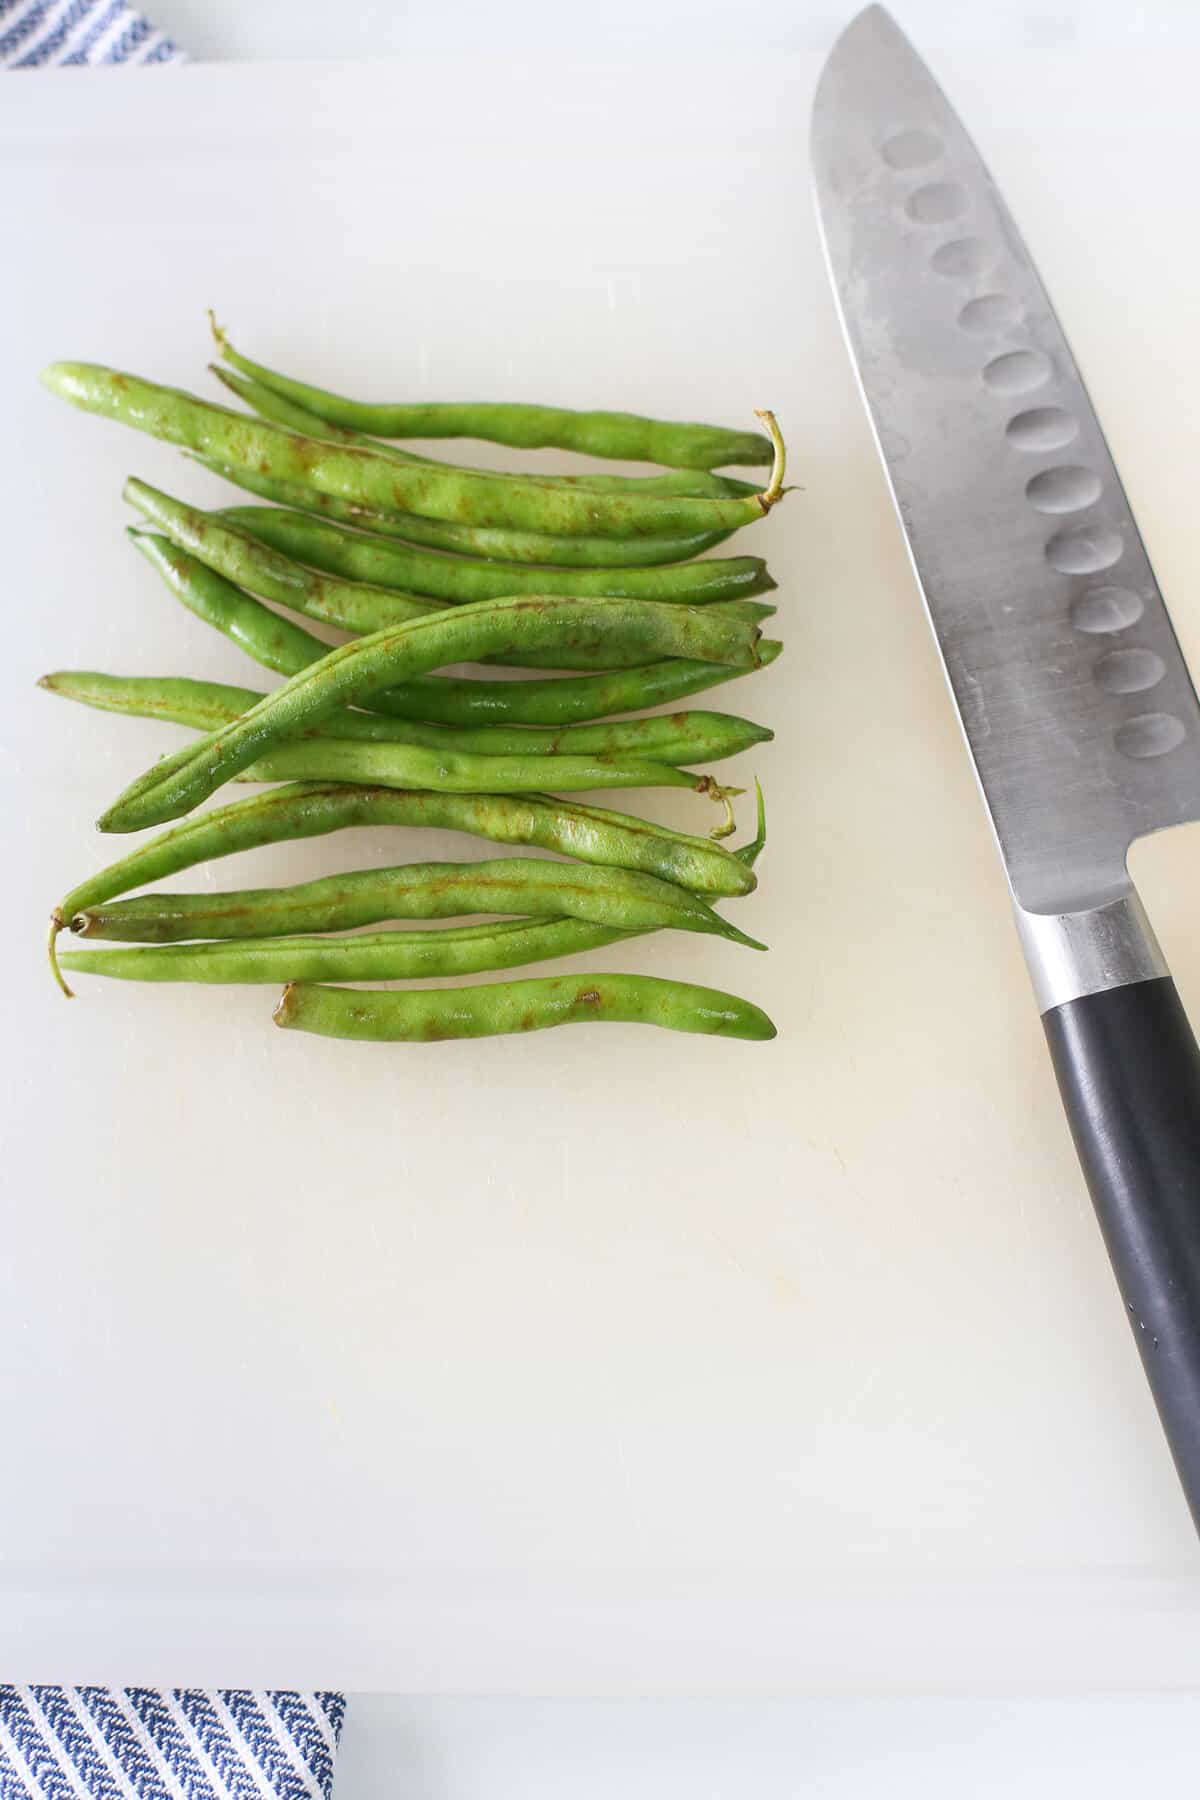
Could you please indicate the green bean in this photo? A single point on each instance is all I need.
(463, 772)
(511, 547)
(313, 757)
(200, 705)
(368, 664)
(624, 436)
(271, 405)
(275, 642)
(252, 563)
(494, 1008)
(603, 659)
(382, 956)
(386, 563)
(287, 648)
(519, 885)
(590, 834)
(441, 492)
(558, 701)
(679, 738)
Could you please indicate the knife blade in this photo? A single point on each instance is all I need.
(1078, 710)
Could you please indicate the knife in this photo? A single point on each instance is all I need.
(1077, 707)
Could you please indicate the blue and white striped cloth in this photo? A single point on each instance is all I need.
(144, 1743)
(36, 33)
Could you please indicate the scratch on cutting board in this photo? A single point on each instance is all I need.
(786, 1291)
(637, 1516)
(851, 1181)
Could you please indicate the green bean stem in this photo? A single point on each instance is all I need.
(520, 885)
(440, 492)
(678, 738)
(494, 1008)
(750, 853)
(626, 437)
(368, 664)
(480, 541)
(386, 563)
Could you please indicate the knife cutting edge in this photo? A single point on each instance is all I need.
(1079, 713)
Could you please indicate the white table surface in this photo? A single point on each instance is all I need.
(1075, 1747)
(985, 1500)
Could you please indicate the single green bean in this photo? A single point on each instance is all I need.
(463, 772)
(511, 547)
(590, 834)
(440, 492)
(381, 956)
(524, 886)
(248, 560)
(387, 563)
(493, 1008)
(285, 647)
(627, 437)
(271, 405)
(680, 738)
(310, 757)
(558, 701)
(603, 659)
(368, 664)
(200, 705)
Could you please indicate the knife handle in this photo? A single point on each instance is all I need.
(1128, 1069)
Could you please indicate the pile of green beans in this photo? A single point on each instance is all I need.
(432, 568)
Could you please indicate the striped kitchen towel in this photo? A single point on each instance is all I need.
(142, 1743)
(36, 33)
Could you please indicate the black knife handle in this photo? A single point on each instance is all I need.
(1128, 1068)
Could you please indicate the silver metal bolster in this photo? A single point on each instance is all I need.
(1077, 953)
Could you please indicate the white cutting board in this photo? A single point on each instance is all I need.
(605, 1360)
